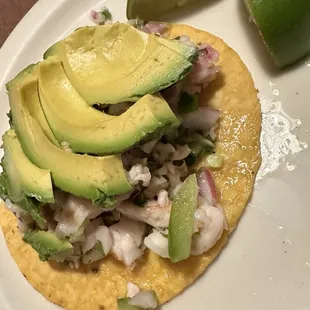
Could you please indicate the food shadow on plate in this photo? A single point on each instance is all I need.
(260, 49)
(188, 10)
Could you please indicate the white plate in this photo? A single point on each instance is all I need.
(266, 264)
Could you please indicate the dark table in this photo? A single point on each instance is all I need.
(11, 12)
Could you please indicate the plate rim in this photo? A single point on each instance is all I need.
(32, 20)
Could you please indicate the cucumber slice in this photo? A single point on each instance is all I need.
(284, 26)
(150, 9)
(181, 224)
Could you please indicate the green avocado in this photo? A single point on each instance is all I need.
(285, 27)
(190, 52)
(86, 176)
(88, 130)
(48, 245)
(117, 63)
(35, 108)
(181, 225)
(25, 179)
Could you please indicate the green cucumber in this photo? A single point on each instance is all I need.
(181, 225)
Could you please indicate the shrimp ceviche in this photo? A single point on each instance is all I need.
(112, 150)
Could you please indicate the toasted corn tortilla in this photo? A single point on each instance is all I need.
(98, 286)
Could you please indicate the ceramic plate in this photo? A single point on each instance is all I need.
(266, 264)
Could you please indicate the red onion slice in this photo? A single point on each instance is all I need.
(202, 119)
(207, 187)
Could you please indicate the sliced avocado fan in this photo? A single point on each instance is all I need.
(82, 175)
(88, 130)
(117, 63)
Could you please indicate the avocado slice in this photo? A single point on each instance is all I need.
(34, 109)
(86, 176)
(188, 51)
(24, 177)
(74, 121)
(30, 205)
(48, 245)
(284, 26)
(117, 63)
(181, 225)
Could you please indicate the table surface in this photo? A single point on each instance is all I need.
(11, 12)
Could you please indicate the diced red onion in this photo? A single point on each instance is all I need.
(96, 17)
(153, 27)
(204, 70)
(202, 119)
(94, 14)
(207, 187)
(208, 51)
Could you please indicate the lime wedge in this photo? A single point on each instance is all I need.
(150, 9)
(285, 27)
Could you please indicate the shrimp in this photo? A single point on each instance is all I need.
(73, 214)
(139, 173)
(127, 238)
(210, 221)
(154, 213)
(94, 232)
